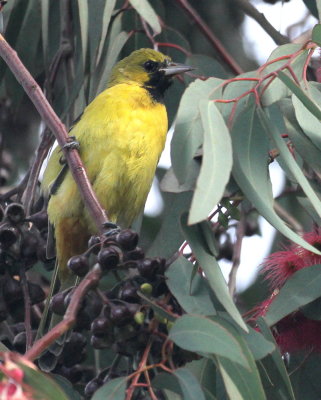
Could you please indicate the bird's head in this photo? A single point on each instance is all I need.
(149, 69)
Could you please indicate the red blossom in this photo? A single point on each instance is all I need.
(281, 265)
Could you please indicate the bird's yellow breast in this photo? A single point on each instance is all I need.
(121, 134)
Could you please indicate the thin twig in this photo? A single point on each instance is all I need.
(90, 281)
(252, 12)
(57, 127)
(27, 306)
(281, 211)
(205, 29)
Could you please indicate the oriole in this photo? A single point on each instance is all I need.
(121, 134)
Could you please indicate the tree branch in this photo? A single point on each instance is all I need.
(252, 12)
(57, 127)
(210, 36)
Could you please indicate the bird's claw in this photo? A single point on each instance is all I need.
(113, 229)
(72, 144)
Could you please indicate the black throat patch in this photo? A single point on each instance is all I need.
(157, 85)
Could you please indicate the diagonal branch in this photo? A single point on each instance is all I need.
(252, 12)
(210, 36)
(57, 127)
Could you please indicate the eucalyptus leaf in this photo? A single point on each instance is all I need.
(300, 289)
(112, 390)
(210, 336)
(190, 386)
(188, 133)
(191, 292)
(146, 11)
(211, 269)
(216, 163)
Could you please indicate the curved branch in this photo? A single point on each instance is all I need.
(252, 12)
(57, 127)
(210, 36)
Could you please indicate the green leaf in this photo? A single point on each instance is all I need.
(287, 157)
(212, 270)
(169, 238)
(43, 386)
(259, 346)
(302, 288)
(250, 169)
(210, 336)
(190, 386)
(191, 293)
(308, 120)
(206, 66)
(108, 10)
(146, 11)
(277, 89)
(241, 383)
(300, 94)
(302, 144)
(112, 390)
(316, 34)
(83, 19)
(216, 163)
(204, 370)
(188, 134)
(66, 386)
(44, 28)
(114, 50)
(274, 365)
(170, 183)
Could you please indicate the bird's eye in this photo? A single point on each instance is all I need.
(150, 66)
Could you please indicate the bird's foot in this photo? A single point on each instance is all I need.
(71, 144)
(113, 229)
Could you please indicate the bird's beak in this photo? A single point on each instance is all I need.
(172, 68)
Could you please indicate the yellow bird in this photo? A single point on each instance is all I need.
(121, 134)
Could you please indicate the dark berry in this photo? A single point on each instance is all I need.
(136, 254)
(12, 291)
(79, 265)
(94, 243)
(101, 342)
(57, 304)
(120, 315)
(8, 235)
(108, 258)
(148, 267)
(40, 219)
(15, 213)
(127, 239)
(100, 326)
(128, 293)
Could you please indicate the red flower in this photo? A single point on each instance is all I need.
(280, 266)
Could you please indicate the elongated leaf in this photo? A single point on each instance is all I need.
(44, 29)
(302, 288)
(309, 122)
(112, 390)
(43, 386)
(210, 336)
(241, 383)
(188, 134)
(216, 163)
(146, 11)
(112, 55)
(83, 18)
(302, 144)
(191, 293)
(274, 365)
(250, 170)
(316, 34)
(109, 7)
(277, 89)
(287, 157)
(204, 370)
(259, 346)
(212, 270)
(301, 95)
(190, 386)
